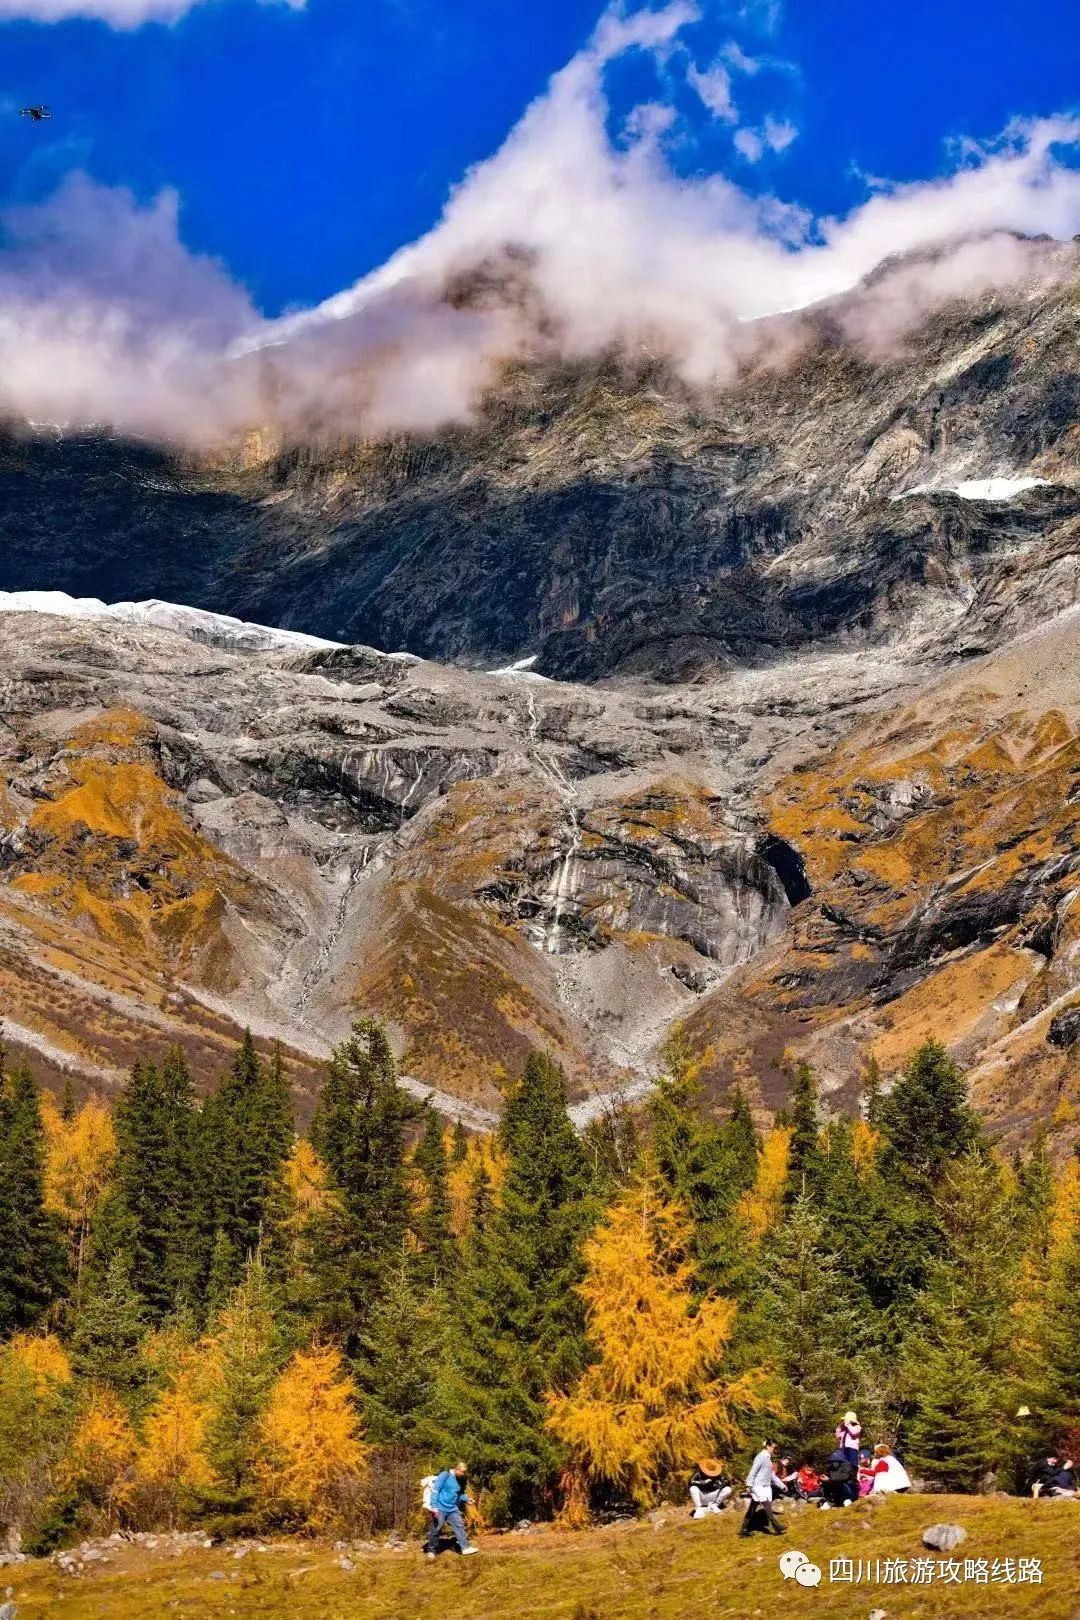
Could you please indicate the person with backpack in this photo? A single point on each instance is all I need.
(448, 1497)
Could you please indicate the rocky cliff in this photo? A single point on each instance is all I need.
(793, 758)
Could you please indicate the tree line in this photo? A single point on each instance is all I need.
(208, 1318)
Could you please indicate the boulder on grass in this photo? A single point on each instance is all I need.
(944, 1536)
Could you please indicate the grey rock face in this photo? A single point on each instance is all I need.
(606, 835)
(1064, 1030)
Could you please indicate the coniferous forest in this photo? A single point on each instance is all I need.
(211, 1320)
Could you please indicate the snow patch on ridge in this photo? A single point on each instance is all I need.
(524, 669)
(216, 629)
(976, 489)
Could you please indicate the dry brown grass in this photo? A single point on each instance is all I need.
(638, 1573)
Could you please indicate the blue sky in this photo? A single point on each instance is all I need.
(306, 145)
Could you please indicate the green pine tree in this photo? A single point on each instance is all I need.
(68, 1107)
(959, 1348)
(226, 1268)
(927, 1126)
(246, 1135)
(927, 1120)
(739, 1141)
(811, 1326)
(706, 1164)
(33, 1267)
(1057, 1399)
(359, 1130)
(109, 1332)
(956, 1433)
(517, 1320)
(407, 1340)
(804, 1116)
(437, 1254)
(873, 1094)
(246, 1355)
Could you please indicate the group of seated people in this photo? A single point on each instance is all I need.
(835, 1484)
(851, 1471)
(843, 1479)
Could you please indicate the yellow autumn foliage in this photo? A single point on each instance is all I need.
(46, 1360)
(79, 1157)
(760, 1208)
(173, 1450)
(310, 1437)
(307, 1182)
(101, 1454)
(654, 1399)
(865, 1142)
(481, 1153)
(1066, 1213)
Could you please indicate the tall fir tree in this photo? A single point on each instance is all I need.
(926, 1119)
(245, 1350)
(33, 1268)
(804, 1117)
(959, 1348)
(517, 1329)
(407, 1339)
(436, 1256)
(956, 1433)
(811, 1326)
(152, 1213)
(1057, 1393)
(857, 1214)
(109, 1332)
(247, 1131)
(740, 1142)
(927, 1125)
(360, 1132)
(707, 1165)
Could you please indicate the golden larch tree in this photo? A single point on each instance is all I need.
(46, 1360)
(173, 1453)
(1066, 1212)
(79, 1156)
(865, 1145)
(655, 1398)
(760, 1209)
(482, 1157)
(100, 1459)
(312, 1451)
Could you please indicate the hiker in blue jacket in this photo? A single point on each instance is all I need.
(448, 1497)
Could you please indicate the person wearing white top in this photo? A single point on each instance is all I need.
(760, 1481)
(889, 1472)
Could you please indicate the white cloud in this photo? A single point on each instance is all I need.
(778, 133)
(562, 241)
(119, 13)
(624, 252)
(106, 317)
(734, 54)
(714, 90)
(749, 144)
